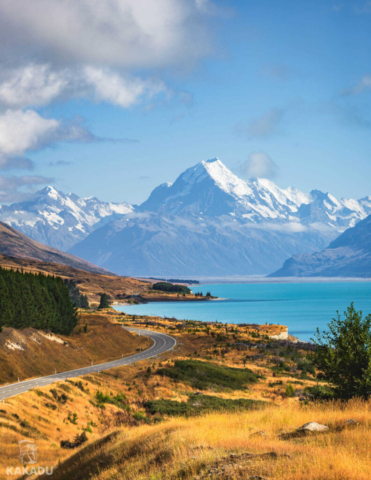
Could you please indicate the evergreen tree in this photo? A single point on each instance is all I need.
(103, 301)
(343, 354)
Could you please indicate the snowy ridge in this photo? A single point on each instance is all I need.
(60, 220)
(210, 188)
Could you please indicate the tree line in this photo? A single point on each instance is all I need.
(36, 300)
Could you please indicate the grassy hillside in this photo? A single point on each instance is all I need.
(170, 417)
(228, 446)
(31, 353)
(90, 284)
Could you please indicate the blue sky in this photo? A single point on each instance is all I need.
(288, 79)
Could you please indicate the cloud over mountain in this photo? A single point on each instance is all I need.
(56, 50)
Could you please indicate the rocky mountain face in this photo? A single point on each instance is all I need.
(209, 222)
(347, 256)
(60, 220)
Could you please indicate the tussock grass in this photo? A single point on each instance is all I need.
(188, 448)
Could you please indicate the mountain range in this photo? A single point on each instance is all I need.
(209, 222)
(60, 220)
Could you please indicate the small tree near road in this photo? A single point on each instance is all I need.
(343, 354)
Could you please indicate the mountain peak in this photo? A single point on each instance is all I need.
(49, 191)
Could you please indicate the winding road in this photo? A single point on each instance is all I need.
(161, 344)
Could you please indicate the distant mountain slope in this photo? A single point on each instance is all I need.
(347, 256)
(16, 244)
(209, 222)
(60, 220)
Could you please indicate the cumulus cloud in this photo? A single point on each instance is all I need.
(35, 85)
(259, 165)
(126, 33)
(22, 131)
(113, 88)
(11, 187)
(61, 49)
(32, 85)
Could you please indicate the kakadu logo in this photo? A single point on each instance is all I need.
(28, 457)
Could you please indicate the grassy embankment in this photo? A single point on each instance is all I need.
(32, 353)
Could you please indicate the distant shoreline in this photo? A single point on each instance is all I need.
(257, 280)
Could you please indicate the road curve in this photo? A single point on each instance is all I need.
(161, 344)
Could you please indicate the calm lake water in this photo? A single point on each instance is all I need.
(301, 306)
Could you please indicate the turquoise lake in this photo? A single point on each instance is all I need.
(301, 306)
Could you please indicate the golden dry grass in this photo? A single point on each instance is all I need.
(121, 447)
(38, 355)
(190, 448)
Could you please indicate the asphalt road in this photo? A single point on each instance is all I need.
(161, 343)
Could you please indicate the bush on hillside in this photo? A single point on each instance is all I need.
(343, 354)
(206, 375)
(198, 404)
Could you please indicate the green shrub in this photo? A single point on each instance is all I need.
(320, 392)
(118, 400)
(206, 375)
(198, 404)
(290, 390)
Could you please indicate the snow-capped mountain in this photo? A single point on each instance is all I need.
(210, 222)
(210, 188)
(60, 220)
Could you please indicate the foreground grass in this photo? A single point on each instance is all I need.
(201, 447)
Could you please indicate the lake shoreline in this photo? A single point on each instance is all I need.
(302, 307)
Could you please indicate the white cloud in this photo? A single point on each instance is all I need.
(61, 49)
(22, 131)
(126, 33)
(35, 85)
(31, 86)
(259, 165)
(113, 88)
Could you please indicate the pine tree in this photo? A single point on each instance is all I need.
(103, 301)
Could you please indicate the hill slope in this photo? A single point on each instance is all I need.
(347, 256)
(16, 244)
(89, 283)
(209, 222)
